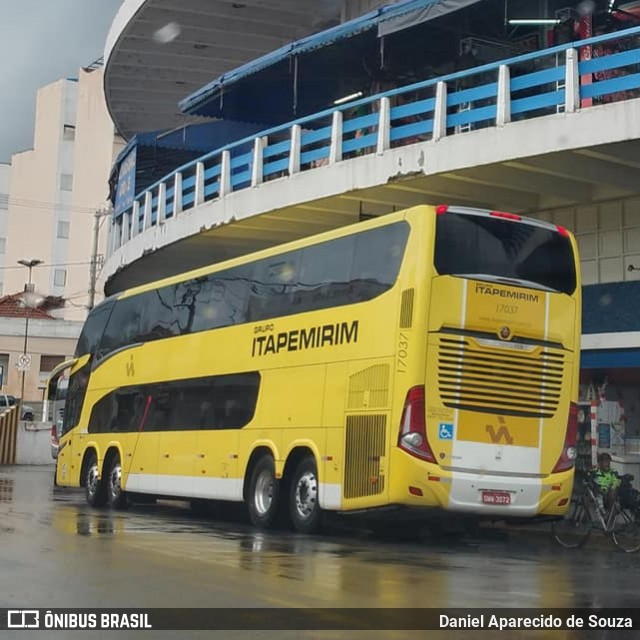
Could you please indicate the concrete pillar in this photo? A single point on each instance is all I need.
(503, 100)
(384, 126)
(335, 151)
(440, 112)
(294, 152)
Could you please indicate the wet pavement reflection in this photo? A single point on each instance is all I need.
(57, 552)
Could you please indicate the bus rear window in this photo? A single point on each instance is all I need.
(476, 246)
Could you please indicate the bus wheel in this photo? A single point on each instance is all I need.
(303, 500)
(264, 494)
(94, 487)
(116, 497)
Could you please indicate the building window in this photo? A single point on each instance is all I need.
(69, 132)
(66, 182)
(4, 200)
(3, 245)
(60, 277)
(49, 363)
(63, 229)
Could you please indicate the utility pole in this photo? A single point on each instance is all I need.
(93, 269)
(25, 362)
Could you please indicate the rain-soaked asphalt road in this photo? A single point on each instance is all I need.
(55, 552)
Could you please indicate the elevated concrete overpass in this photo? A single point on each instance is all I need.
(529, 167)
(317, 173)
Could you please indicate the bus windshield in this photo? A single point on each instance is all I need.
(477, 246)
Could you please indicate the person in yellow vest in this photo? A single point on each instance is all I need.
(607, 479)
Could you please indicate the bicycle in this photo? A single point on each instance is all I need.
(587, 511)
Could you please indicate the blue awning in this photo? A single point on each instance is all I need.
(610, 359)
(383, 21)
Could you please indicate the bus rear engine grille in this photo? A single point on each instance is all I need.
(517, 383)
(364, 452)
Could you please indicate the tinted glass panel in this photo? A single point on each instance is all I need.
(325, 275)
(274, 281)
(337, 272)
(377, 261)
(124, 324)
(213, 402)
(75, 396)
(120, 411)
(482, 245)
(93, 329)
(157, 317)
(230, 298)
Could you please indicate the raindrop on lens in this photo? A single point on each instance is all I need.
(167, 33)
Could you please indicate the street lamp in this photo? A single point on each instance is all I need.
(28, 300)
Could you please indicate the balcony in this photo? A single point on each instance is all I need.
(553, 128)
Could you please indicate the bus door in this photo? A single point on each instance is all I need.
(217, 459)
(169, 425)
(228, 404)
(139, 445)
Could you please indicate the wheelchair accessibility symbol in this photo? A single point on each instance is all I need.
(445, 431)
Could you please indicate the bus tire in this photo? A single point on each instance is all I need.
(116, 497)
(264, 494)
(304, 505)
(95, 489)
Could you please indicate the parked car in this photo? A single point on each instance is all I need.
(6, 401)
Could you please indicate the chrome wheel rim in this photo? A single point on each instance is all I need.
(93, 479)
(306, 494)
(263, 496)
(114, 481)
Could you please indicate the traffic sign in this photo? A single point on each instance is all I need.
(24, 362)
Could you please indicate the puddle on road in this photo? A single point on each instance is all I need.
(6, 489)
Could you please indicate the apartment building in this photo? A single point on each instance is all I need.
(49, 197)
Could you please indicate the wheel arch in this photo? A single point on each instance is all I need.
(90, 450)
(112, 451)
(258, 452)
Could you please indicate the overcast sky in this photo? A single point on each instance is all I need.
(42, 41)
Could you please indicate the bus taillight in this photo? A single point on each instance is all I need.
(503, 214)
(413, 431)
(568, 456)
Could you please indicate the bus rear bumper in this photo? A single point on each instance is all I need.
(503, 496)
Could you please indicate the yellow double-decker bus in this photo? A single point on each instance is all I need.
(425, 359)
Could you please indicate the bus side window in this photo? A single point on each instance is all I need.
(377, 260)
(274, 282)
(325, 273)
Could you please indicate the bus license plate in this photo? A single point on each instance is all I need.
(496, 497)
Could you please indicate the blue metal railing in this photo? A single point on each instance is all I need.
(534, 84)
